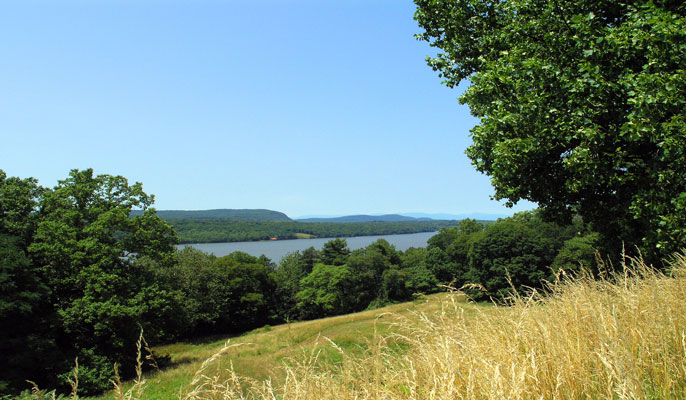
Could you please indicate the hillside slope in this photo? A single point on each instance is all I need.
(623, 337)
(263, 353)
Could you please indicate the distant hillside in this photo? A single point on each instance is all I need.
(215, 231)
(477, 216)
(255, 215)
(401, 217)
(365, 218)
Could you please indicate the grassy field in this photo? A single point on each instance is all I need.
(623, 337)
(263, 353)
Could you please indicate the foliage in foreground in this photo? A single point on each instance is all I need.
(620, 337)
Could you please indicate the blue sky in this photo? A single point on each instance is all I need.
(306, 107)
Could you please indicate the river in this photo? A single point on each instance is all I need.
(276, 249)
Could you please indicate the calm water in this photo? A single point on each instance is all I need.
(276, 249)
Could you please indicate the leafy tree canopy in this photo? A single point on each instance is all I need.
(578, 253)
(85, 247)
(247, 288)
(292, 269)
(18, 202)
(582, 107)
(335, 252)
(326, 291)
(510, 251)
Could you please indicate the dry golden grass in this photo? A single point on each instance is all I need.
(619, 338)
(263, 353)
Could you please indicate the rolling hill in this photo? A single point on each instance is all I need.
(364, 218)
(224, 214)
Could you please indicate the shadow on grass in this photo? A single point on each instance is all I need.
(220, 337)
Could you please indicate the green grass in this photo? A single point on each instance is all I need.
(262, 353)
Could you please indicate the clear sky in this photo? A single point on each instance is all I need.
(306, 107)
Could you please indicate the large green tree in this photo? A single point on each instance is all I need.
(85, 247)
(582, 107)
(367, 267)
(335, 252)
(247, 291)
(26, 317)
(195, 275)
(510, 254)
(292, 269)
(327, 290)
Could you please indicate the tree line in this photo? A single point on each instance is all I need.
(80, 278)
(217, 231)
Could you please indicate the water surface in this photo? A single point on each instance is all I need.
(276, 249)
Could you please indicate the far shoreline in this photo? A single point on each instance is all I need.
(302, 238)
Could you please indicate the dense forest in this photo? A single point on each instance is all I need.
(80, 277)
(215, 231)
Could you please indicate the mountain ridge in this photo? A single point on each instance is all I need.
(444, 216)
(413, 217)
(223, 214)
(364, 218)
(262, 215)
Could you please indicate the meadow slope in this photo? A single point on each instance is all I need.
(623, 337)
